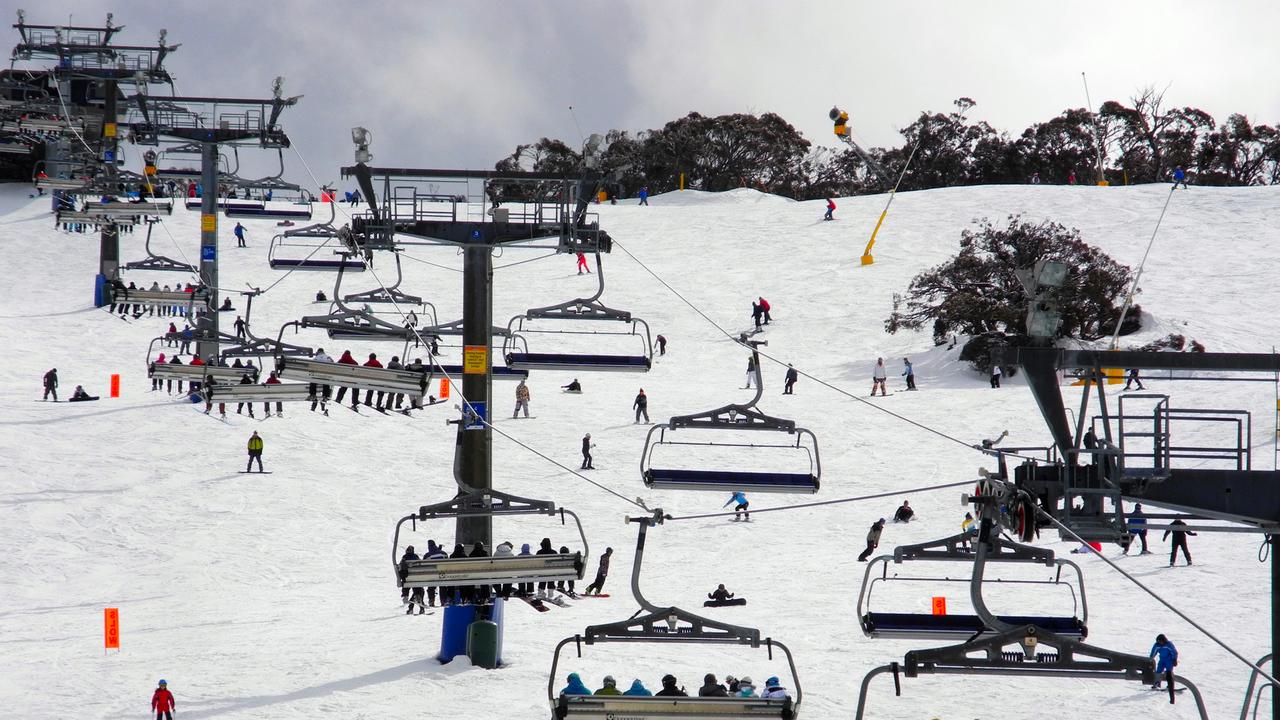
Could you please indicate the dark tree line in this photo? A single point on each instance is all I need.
(1140, 141)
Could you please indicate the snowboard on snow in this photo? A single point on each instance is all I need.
(724, 603)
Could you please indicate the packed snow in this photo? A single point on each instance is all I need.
(274, 595)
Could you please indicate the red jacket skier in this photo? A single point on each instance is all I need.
(831, 207)
(373, 361)
(162, 702)
(346, 359)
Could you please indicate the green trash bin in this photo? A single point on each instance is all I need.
(482, 644)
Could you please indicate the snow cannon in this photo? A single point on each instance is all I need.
(841, 120)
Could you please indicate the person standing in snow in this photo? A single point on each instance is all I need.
(831, 208)
(751, 369)
(1180, 176)
(162, 703)
(756, 314)
(740, 505)
(522, 399)
(996, 372)
(240, 235)
(878, 377)
(239, 326)
(51, 385)
(582, 263)
(909, 373)
(1132, 378)
(587, 462)
(1166, 657)
(873, 539)
(790, 381)
(1179, 540)
(765, 307)
(644, 195)
(602, 573)
(661, 344)
(1138, 529)
(641, 406)
(255, 452)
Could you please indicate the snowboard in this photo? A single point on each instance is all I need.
(536, 604)
(87, 399)
(724, 603)
(558, 602)
(580, 596)
(254, 472)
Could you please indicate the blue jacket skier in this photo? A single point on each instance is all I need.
(1166, 656)
(638, 689)
(739, 502)
(575, 686)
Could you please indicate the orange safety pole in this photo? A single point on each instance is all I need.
(115, 385)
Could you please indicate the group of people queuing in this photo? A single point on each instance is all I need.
(711, 688)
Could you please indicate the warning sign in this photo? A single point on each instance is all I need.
(111, 628)
(475, 359)
(108, 130)
(208, 223)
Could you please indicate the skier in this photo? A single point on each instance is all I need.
(996, 372)
(208, 399)
(878, 377)
(255, 451)
(524, 589)
(644, 195)
(746, 688)
(740, 504)
(347, 359)
(1166, 656)
(373, 362)
(561, 585)
(434, 552)
(162, 702)
(661, 344)
(51, 384)
(968, 527)
(395, 400)
(873, 539)
(831, 208)
(1180, 176)
(638, 689)
(240, 236)
(403, 567)
(751, 369)
(522, 399)
(765, 307)
(773, 689)
(1138, 529)
(582, 263)
(151, 372)
(790, 381)
(575, 686)
(670, 688)
(1179, 541)
(272, 379)
(610, 687)
(320, 395)
(909, 373)
(244, 380)
(1132, 378)
(545, 588)
(602, 573)
(711, 688)
(756, 314)
(239, 326)
(587, 462)
(641, 406)
(904, 513)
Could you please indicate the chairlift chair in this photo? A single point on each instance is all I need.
(666, 625)
(733, 417)
(322, 230)
(408, 382)
(158, 262)
(515, 347)
(468, 572)
(391, 294)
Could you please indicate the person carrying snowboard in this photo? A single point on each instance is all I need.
(240, 236)
(790, 381)
(1166, 657)
(586, 453)
(51, 384)
(831, 208)
(1179, 540)
(740, 504)
(873, 539)
(602, 573)
(255, 452)
(162, 702)
(641, 406)
(878, 377)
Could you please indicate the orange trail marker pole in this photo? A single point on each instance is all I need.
(115, 385)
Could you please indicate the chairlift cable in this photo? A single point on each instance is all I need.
(521, 262)
(407, 256)
(1064, 528)
(838, 501)
(802, 373)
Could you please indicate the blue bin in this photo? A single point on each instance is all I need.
(453, 633)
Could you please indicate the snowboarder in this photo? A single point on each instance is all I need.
(403, 568)
(573, 387)
(81, 396)
(1180, 176)
(435, 552)
(756, 314)
(721, 597)
(904, 513)
(873, 539)
(162, 702)
(661, 344)
(790, 381)
(240, 235)
(320, 296)
(1179, 540)
(1138, 529)
(586, 453)
(765, 307)
(239, 326)
(831, 208)
(670, 688)
(522, 399)
(751, 369)
(909, 373)
(1166, 657)
(51, 384)
(582, 263)
(711, 688)
(602, 573)
(1131, 378)
(878, 377)
(544, 548)
(996, 372)
(644, 195)
(740, 504)
(255, 451)
(641, 406)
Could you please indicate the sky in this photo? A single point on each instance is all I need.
(460, 84)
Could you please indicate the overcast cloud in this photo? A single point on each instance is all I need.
(459, 84)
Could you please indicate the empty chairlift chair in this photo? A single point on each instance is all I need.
(469, 572)
(714, 426)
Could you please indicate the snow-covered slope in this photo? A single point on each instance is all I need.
(274, 595)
